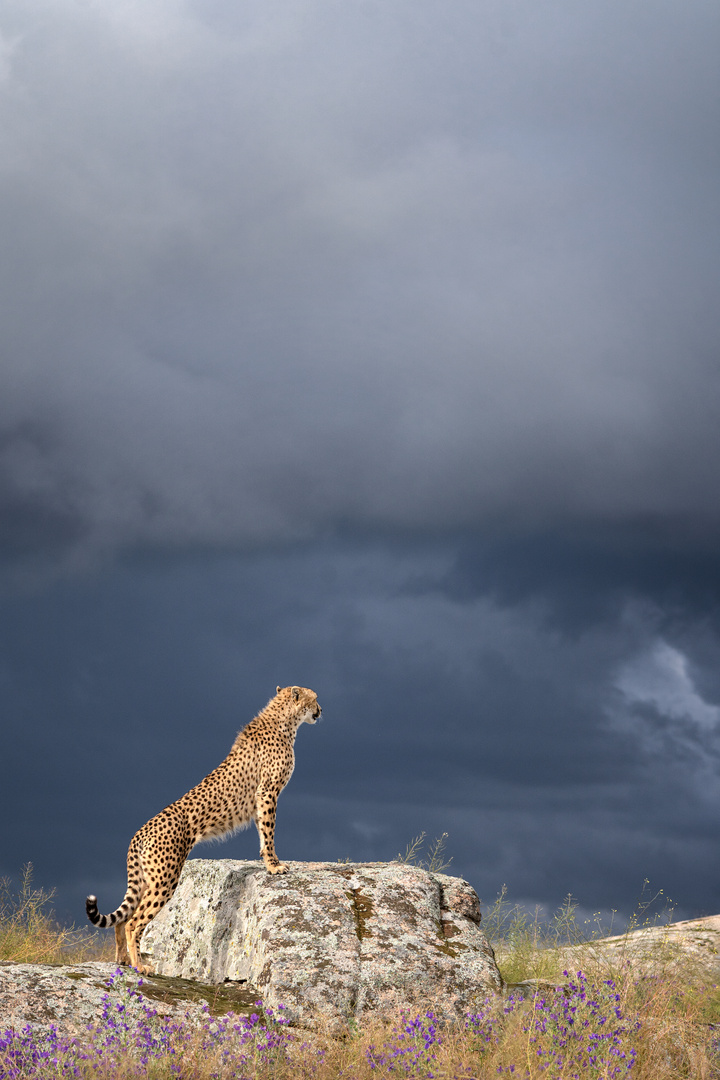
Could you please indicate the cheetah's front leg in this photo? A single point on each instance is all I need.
(265, 810)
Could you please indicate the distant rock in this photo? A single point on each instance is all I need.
(327, 939)
(693, 943)
(688, 950)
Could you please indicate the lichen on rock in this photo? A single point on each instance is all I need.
(72, 997)
(327, 940)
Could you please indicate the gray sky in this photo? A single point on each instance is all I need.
(370, 346)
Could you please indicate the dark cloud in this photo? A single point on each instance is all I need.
(391, 266)
(370, 346)
(556, 762)
(584, 576)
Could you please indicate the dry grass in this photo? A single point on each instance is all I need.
(530, 947)
(674, 999)
(656, 1037)
(667, 1024)
(434, 859)
(30, 934)
(659, 1024)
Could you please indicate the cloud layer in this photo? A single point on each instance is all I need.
(372, 346)
(558, 760)
(269, 272)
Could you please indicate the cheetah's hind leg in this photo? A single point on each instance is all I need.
(122, 956)
(155, 896)
(135, 927)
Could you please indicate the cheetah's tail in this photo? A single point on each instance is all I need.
(120, 915)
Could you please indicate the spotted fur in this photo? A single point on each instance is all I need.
(243, 788)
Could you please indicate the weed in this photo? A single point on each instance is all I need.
(30, 934)
(433, 861)
(530, 946)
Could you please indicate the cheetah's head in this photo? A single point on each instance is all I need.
(301, 702)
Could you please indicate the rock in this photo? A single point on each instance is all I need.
(688, 951)
(71, 997)
(328, 941)
(692, 943)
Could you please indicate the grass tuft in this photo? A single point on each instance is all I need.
(30, 933)
(434, 860)
(529, 946)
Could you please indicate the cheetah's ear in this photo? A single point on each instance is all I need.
(279, 688)
(296, 692)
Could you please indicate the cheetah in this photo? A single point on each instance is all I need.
(243, 788)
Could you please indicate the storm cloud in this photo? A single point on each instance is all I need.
(370, 346)
(269, 272)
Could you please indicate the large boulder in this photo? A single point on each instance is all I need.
(327, 940)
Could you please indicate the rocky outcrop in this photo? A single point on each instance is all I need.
(327, 940)
(73, 997)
